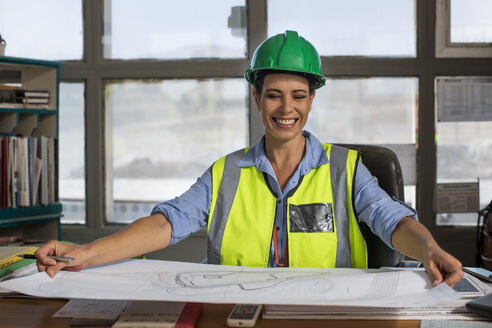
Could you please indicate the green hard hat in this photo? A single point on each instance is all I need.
(287, 52)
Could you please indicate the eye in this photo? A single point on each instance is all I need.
(272, 96)
(299, 97)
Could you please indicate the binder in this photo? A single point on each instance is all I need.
(22, 161)
(3, 172)
(43, 150)
(36, 171)
(12, 172)
(51, 170)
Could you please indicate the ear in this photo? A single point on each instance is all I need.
(257, 99)
(311, 98)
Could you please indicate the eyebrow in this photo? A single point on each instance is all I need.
(279, 91)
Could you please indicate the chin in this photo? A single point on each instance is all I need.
(285, 135)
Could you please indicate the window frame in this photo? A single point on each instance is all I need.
(447, 49)
(426, 66)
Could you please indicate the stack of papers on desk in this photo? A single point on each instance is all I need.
(204, 283)
(449, 310)
(285, 292)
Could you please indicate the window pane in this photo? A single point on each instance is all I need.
(349, 28)
(162, 135)
(464, 149)
(48, 29)
(470, 21)
(370, 111)
(165, 30)
(72, 152)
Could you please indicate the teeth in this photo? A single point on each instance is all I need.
(286, 122)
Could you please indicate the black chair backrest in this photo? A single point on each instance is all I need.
(384, 165)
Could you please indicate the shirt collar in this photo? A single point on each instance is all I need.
(315, 155)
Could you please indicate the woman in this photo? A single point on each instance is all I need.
(286, 201)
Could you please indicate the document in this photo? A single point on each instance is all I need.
(454, 324)
(205, 283)
(93, 309)
(464, 99)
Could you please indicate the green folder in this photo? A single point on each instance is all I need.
(14, 267)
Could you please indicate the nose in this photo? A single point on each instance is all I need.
(286, 105)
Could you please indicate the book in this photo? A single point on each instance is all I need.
(17, 97)
(12, 172)
(14, 94)
(159, 314)
(8, 255)
(51, 171)
(28, 101)
(22, 171)
(3, 170)
(7, 239)
(8, 93)
(32, 93)
(44, 184)
(27, 171)
(23, 106)
(36, 171)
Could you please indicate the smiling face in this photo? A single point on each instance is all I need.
(284, 103)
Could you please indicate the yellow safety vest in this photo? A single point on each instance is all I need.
(322, 228)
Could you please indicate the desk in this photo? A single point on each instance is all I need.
(36, 313)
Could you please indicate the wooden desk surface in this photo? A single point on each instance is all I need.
(37, 313)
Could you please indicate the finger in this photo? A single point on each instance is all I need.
(454, 277)
(45, 261)
(434, 274)
(73, 268)
(41, 267)
(43, 253)
(53, 270)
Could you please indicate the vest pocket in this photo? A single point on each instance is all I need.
(316, 217)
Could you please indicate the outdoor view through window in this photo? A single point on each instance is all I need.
(162, 134)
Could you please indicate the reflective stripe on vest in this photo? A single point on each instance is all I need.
(223, 202)
(338, 174)
(247, 218)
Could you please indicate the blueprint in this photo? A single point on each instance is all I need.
(207, 283)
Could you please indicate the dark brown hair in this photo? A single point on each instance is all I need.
(259, 78)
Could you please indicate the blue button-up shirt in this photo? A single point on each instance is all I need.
(189, 212)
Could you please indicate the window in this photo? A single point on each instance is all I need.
(162, 135)
(470, 21)
(383, 28)
(371, 111)
(72, 152)
(135, 57)
(463, 140)
(463, 28)
(168, 30)
(49, 29)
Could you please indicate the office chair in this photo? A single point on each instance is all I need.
(384, 165)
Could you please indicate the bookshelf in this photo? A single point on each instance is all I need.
(35, 218)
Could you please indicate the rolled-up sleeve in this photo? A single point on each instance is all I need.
(376, 208)
(188, 212)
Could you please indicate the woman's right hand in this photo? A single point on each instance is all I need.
(57, 248)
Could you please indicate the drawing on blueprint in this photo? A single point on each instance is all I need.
(177, 281)
(200, 282)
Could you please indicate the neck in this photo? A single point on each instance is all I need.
(285, 157)
(285, 152)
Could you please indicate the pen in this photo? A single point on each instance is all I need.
(58, 258)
